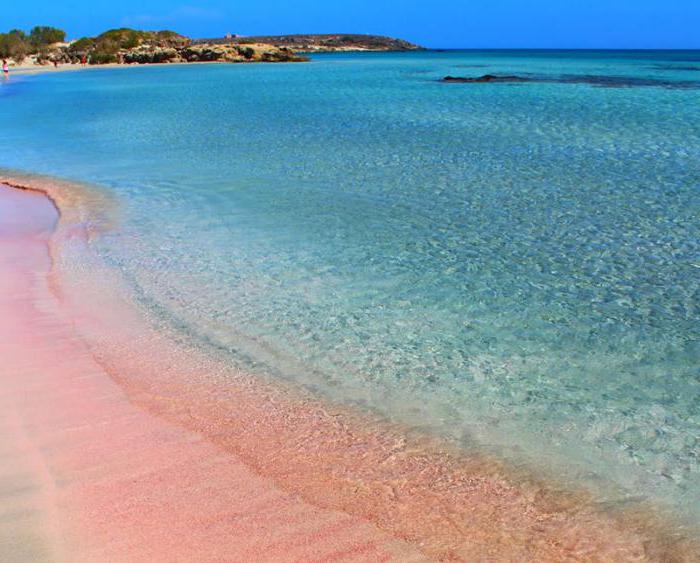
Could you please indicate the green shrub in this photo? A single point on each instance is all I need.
(167, 38)
(128, 38)
(82, 46)
(42, 35)
(102, 58)
(131, 40)
(14, 45)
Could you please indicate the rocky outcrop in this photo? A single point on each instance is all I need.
(233, 53)
(597, 80)
(128, 46)
(150, 54)
(485, 79)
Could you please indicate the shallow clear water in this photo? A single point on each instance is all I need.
(514, 266)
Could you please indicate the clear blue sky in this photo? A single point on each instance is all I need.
(434, 23)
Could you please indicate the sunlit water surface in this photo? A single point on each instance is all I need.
(516, 267)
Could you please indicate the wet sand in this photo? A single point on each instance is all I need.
(121, 442)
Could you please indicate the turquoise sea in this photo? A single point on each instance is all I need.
(515, 267)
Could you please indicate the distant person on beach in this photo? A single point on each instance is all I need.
(83, 60)
(5, 68)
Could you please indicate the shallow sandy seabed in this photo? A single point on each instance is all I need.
(121, 442)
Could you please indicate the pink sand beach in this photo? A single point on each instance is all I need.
(119, 443)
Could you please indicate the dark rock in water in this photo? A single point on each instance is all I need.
(674, 67)
(601, 81)
(486, 78)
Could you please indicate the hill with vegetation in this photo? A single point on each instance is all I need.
(46, 45)
(327, 42)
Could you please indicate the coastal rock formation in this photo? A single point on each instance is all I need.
(150, 54)
(256, 52)
(129, 46)
(46, 46)
(169, 47)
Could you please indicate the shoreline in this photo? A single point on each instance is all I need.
(410, 489)
(97, 478)
(33, 70)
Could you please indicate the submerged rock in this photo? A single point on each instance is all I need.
(601, 81)
(486, 78)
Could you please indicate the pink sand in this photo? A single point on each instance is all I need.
(96, 478)
(120, 444)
